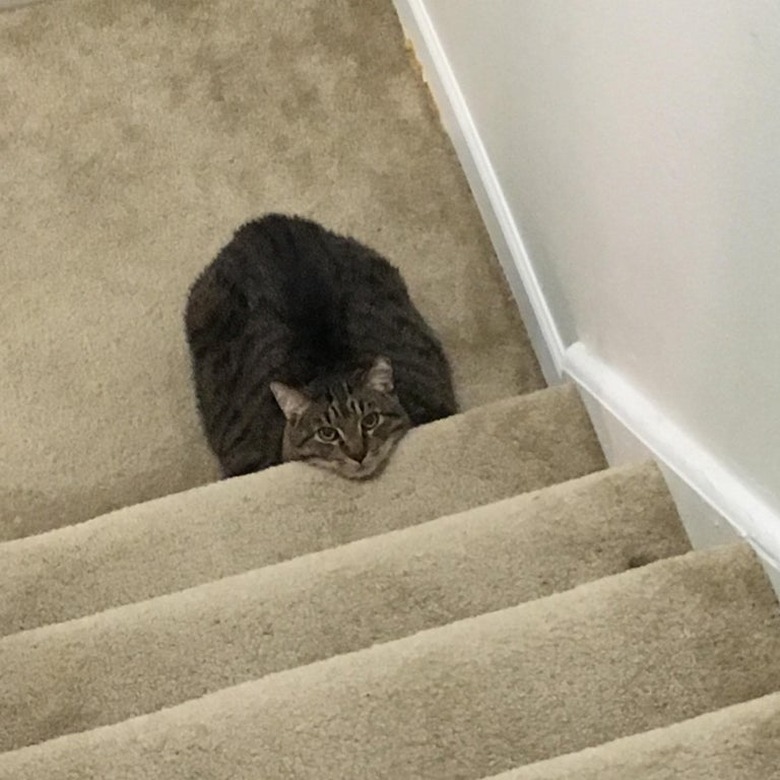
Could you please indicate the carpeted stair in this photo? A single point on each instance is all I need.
(352, 644)
(499, 604)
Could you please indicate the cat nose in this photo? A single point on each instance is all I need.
(356, 450)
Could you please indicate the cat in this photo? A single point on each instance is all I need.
(306, 346)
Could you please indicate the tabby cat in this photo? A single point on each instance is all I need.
(305, 345)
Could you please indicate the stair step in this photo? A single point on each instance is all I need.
(621, 655)
(162, 546)
(157, 653)
(741, 742)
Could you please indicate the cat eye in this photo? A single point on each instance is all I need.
(371, 420)
(327, 434)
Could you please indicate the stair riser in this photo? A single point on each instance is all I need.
(174, 543)
(164, 651)
(618, 656)
(735, 743)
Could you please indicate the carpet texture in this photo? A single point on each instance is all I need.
(135, 137)
(505, 688)
(498, 604)
(172, 648)
(735, 743)
(175, 542)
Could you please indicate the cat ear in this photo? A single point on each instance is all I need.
(380, 376)
(292, 402)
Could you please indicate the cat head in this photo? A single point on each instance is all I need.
(349, 424)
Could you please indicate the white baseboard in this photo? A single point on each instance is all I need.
(714, 504)
(501, 226)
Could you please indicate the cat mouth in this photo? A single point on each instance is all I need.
(352, 470)
(372, 466)
(364, 470)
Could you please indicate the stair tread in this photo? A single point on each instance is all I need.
(100, 244)
(486, 454)
(741, 742)
(168, 649)
(620, 655)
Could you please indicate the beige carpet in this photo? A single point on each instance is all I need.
(136, 136)
(497, 602)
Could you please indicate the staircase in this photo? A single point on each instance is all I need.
(498, 604)
(498, 599)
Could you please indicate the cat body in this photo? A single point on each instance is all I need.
(305, 345)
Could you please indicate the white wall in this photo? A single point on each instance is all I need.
(635, 145)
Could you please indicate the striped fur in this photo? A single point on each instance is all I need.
(287, 301)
